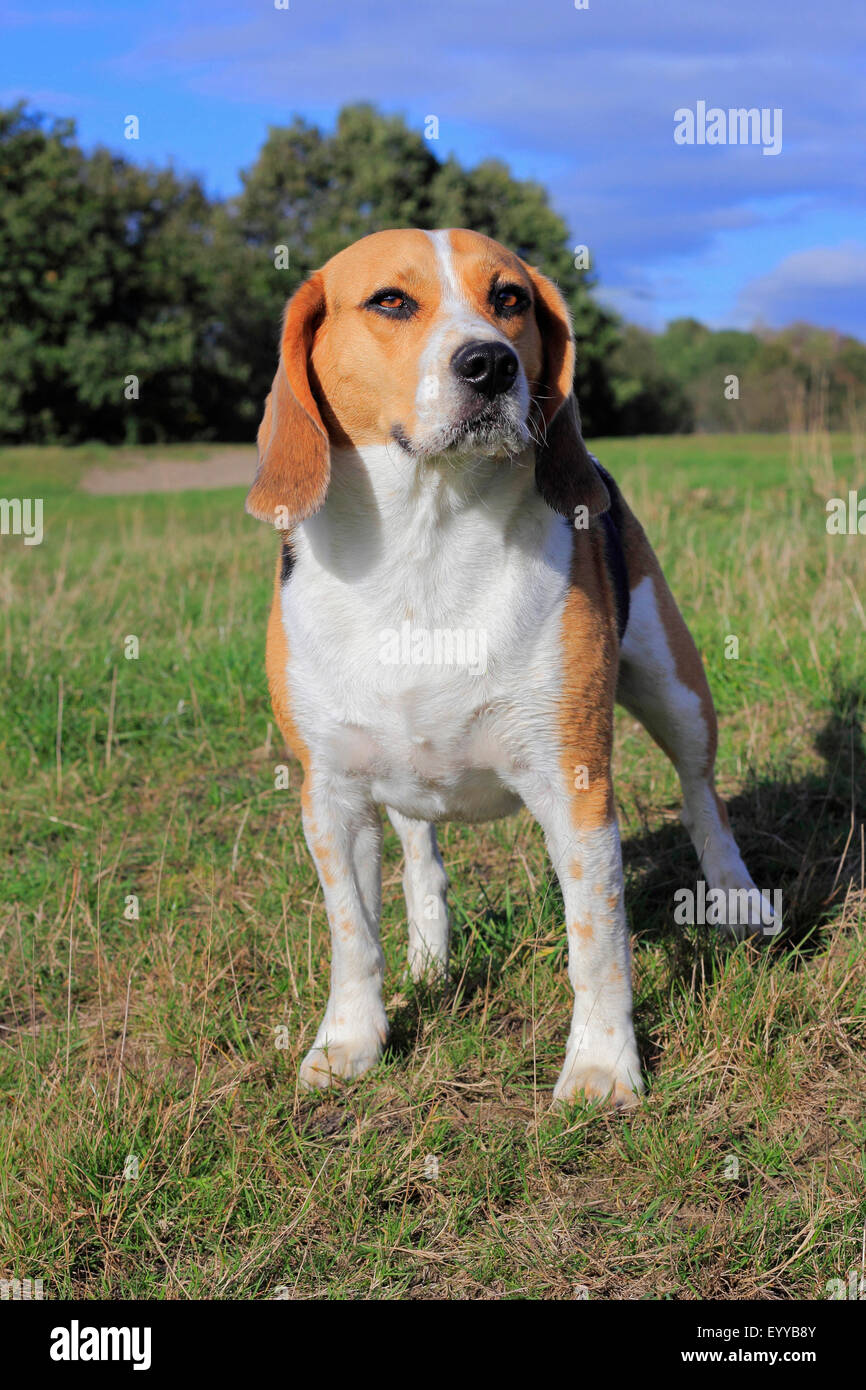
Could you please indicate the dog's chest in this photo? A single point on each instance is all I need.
(432, 671)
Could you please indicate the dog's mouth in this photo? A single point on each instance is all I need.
(491, 427)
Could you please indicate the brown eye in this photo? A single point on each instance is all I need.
(509, 300)
(392, 303)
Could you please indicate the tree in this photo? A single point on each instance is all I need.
(111, 271)
(648, 398)
(103, 276)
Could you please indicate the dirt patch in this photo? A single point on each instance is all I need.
(228, 468)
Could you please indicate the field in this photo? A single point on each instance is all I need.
(153, 1143)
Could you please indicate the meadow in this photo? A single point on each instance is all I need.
(164, 948)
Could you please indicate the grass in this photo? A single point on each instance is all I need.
(167, 1044)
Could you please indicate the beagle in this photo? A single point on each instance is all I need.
(421, 450)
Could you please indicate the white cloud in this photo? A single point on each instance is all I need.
(825, 285)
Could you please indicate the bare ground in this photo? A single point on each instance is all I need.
(228, 468)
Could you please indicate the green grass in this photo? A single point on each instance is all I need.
(741, 1175)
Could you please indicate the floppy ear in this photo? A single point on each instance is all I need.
(564, 472)
(294, 454)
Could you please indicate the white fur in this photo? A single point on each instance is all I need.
(443, 548)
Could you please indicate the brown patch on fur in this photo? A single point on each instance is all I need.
(276, 665)
(345, 924)
(294, 456)
(321, 852)
(575, 869)
(480, 264)
(582, 930)
(596, 1085)
(589, 666)
(365, 366)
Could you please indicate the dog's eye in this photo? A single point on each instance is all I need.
(509, 300)
(394, 304)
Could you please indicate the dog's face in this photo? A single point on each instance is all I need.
(430, 344)
(429, 340)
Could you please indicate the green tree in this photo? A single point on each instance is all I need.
(104, 274)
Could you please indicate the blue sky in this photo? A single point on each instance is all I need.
(582, 100)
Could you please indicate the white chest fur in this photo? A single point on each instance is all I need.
(423, 621)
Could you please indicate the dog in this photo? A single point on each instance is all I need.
(421, 451)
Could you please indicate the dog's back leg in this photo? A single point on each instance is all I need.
(663, 684)
(425, 885)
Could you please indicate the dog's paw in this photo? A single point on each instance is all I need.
(615, 1085)
(750, 914)
(341, 1060)
(427, 969)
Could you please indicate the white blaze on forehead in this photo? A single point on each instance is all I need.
(458, 320)
(452, 292)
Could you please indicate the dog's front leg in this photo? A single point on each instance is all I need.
(344, 833)
(601, 1057)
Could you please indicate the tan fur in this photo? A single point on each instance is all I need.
(276, 665)
(482, 263)
(589, 668)
(294, 454)
(277, 668)
(364, 366)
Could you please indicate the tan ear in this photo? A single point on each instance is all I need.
(294, 454)
(564, 472)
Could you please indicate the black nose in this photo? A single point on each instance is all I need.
(489, 368)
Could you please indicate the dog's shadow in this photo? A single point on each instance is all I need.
(801, 835)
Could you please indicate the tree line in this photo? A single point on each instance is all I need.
(110, 271)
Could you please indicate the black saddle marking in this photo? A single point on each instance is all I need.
(612, 522)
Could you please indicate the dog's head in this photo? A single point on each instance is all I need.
(437, 344)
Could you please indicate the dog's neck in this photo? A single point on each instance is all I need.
(385, 508)
(398, 480)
